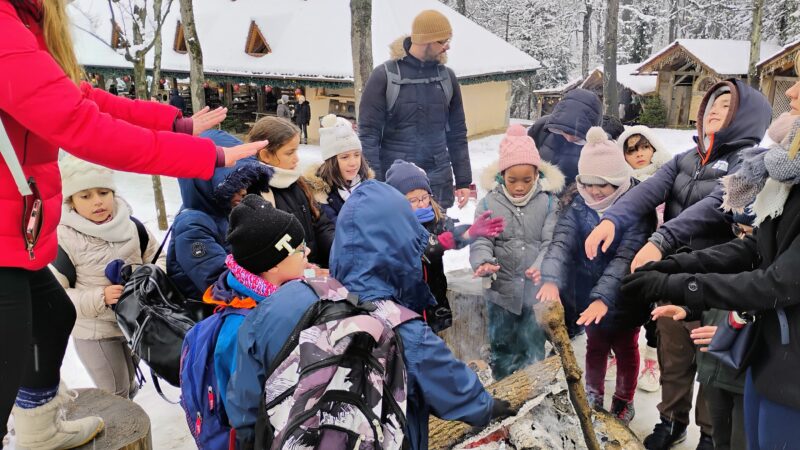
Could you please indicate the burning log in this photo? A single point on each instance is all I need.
(550, 316)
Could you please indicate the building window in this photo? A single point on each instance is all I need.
(256, 44)
(180, 41)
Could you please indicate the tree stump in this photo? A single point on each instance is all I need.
(127, 426)
(467, 338)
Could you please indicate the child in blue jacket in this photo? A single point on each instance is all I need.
(603, 177)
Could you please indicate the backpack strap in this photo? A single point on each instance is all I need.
(144, 238)
(447, 85)
(393, 82)
(65, 266)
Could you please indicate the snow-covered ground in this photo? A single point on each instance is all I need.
(170, 430)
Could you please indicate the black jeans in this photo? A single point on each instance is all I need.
(727, 418)
(36, 319)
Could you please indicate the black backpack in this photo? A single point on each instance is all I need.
(394, 80)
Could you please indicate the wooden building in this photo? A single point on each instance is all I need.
(778, 74)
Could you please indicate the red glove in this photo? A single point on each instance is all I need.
(446, 240)
(486, 226)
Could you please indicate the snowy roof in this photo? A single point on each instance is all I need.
(309, 39)
(92, 50)
(724, 57)
(560, 89)
(788, 48)
(640, 84)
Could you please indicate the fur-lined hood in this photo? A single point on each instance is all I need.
(319, 187)
(550, 178)
(397, 49)
(660, 157)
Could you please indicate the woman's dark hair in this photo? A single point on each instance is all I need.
(330, 173)
(279, 132)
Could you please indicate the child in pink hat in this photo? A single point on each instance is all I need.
(522, 189)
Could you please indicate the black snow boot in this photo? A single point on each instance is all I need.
(665, 435)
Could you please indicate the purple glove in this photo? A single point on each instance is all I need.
(486, 226)
(114, 271)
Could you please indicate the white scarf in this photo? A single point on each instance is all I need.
(345, 193)
(283, 178)
(521, 201)
(118, 229)
(601, 206)
(769, 202)
(645, 172)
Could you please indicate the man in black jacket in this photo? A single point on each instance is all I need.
(425, 124)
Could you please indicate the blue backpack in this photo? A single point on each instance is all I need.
(200, 399)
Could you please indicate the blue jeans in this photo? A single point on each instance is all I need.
(769, 425)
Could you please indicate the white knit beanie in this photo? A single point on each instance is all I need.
(337, 136)
(602, 161)
(78, 175)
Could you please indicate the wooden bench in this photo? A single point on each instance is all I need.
(127, 426)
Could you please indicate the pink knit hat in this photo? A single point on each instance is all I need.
(602, 161)
(518, 148)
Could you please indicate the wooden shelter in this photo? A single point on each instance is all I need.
(687, 68)
(630, 87)
(546, 99)
(778, 74)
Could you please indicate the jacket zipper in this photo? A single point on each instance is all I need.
(697, 169)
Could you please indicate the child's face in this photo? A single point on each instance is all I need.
(419, 198)
(794, 98)
(520, 179)
(713, 121)
(349, 164)
(638, 155)
(292, 267)
(599, 192)
(237, 198)
(95, 204)
(284, 157)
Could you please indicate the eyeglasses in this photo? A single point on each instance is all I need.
(419, 200)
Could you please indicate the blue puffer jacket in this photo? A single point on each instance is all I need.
(421, 128)
(587, 280)
(691, 188)
(374, 258)
(578, 111)
(197, 250)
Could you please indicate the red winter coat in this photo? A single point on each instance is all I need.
(42, 110)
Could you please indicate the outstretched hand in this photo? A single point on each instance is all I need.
(676, 312)
(233, 154)
(206, 119)
(593, 314)
(648, 253)
(486, 226)
(548, 293)
(603, 234)
(486, 269)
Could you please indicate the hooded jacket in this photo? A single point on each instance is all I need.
(661, 155)
(328, 197)
(45, 110)
(588, 280)
(578, 111)
(525, 239)
(421, 128)
(693, 216)
(374, 258)
(197, 250)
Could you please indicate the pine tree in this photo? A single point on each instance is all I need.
(654, 113)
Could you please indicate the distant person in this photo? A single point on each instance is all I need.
(560, 136)
(113, 90)
(425, 123)
(283, 110)
(302, 117)
(176, 100)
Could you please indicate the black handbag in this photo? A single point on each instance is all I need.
(731, 344)
(155, 316)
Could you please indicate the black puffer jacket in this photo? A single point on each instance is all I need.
(691, 186)
(319, 231)
(302, 113)
(421, 128)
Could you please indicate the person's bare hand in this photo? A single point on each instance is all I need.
(648, 253)
(233, 154)
(462, 196)
(111, 294)
(486, 269)
(548, 293)
(534, 274)
(676, 312)
(603, 234)
(206, 119)
(702, 336)
(593, 314)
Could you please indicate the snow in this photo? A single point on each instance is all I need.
(640, 84)
(91, 49)
(725, 57)
(766, 57)
(169, 428)
(310, 39)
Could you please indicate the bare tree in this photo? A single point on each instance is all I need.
(587, 38)
(755, 43)
(157, 48)
(610, 95)
(361, 43)
(461, 7)
(196, 75)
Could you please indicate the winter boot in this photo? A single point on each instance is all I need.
(45, 427)
(622, 410)
(650, 377)
(666, 434)
(611, 368)
(595, 400)
(706, 442)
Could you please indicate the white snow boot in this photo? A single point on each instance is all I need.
(45, 427)
(650, 377)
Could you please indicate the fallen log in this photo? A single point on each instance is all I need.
(127, 426)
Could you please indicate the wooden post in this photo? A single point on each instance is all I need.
(467, 337)
(127, 426)
(228, 102)
(260, 99)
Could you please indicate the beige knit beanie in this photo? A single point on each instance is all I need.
(78, 175)
(430, 26)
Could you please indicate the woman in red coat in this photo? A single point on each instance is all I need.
(44, 106)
